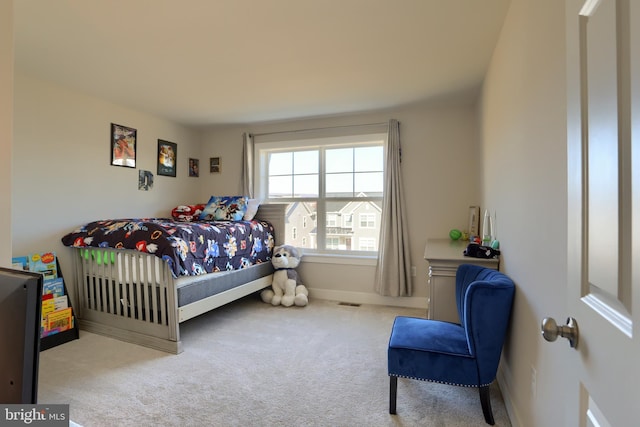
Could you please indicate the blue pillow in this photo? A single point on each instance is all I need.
(225, 208)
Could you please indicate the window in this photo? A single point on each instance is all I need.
(294, 233)
(367, 244)
(333, 243)
(335, 179)
(367, 220)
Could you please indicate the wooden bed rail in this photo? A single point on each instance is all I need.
(130, 291)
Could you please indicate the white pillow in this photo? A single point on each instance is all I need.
(252, 209)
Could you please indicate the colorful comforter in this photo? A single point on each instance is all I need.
(190, 248)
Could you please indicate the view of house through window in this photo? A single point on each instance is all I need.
(334, 188)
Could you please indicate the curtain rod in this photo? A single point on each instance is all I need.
(316, 129)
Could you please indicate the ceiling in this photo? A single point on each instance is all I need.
(214, 62)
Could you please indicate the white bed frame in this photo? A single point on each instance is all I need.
(133, 297)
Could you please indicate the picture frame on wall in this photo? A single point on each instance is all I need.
(194, 167)
(145, 180)
(167, 158)
(214, 165)
(123, 146)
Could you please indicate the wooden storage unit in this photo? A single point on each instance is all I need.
(444, 257)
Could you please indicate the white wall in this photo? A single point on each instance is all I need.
(62, 175)
(440, 164)
(523, 128)
(6, 128)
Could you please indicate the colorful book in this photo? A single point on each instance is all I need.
(54, 287)
(58, 321)
(60, 302)
(44, 263)
(48, 306)
(20, 262)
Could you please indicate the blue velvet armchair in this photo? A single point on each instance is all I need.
(465, 354)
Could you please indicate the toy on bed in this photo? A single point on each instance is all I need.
(287, 288)
(187, 213)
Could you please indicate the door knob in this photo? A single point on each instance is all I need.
(551, 330)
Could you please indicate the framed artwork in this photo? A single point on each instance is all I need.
(123, 146)
(167, 155)
(145, 180)
(194, 167)
(214, 164)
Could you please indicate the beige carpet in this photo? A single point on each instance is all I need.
(250, 364)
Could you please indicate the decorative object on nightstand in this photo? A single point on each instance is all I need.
(487, 228)
(474, 221)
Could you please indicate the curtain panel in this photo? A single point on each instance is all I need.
(247, 164)
(393, 271)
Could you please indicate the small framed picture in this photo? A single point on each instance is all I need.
(194, 167)
(474, 220)
(123, 146)
(214, 164)
(167, 155)
(145, 180)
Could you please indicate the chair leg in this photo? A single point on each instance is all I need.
(393, 391)
(485, 401)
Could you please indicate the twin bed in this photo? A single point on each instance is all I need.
(137, 279)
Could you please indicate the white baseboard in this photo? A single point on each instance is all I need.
(367, 298)
(503, 379)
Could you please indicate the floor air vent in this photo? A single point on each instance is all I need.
(349, 304)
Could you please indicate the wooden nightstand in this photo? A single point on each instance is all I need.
(444, 257)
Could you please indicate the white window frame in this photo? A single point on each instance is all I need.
(322, 139)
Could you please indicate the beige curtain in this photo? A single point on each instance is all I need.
(247, 164)
(393, 272)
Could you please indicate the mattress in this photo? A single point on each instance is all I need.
(196, 288)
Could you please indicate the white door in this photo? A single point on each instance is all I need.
(603, 78)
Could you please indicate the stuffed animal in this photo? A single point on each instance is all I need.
(286, 288)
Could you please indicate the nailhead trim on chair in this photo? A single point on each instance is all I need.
(440, 382)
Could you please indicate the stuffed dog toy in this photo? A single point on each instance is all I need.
(286, 288)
